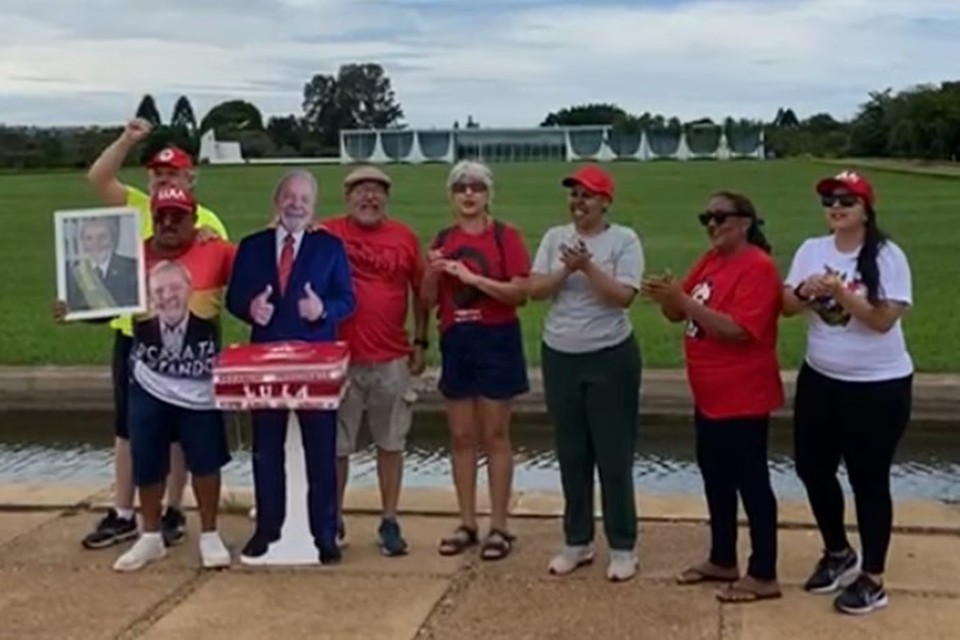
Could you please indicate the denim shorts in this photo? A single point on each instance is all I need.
(483, 361)
(154, 425)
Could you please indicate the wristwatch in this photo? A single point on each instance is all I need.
(422, 342)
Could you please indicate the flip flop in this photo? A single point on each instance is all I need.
(697, 575)
(733, 594)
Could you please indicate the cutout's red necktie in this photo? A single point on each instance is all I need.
(286, 262)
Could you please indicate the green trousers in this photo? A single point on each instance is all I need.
(592, 399)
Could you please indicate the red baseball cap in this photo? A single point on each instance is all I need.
(173, 198)
(852, 182)
(591, 177)
(173, 157)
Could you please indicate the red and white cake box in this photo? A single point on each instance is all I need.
(281, 375)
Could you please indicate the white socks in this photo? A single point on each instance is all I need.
(623, 565)
(125, 514)
(148, 548)
(213, 553)
(571, 559)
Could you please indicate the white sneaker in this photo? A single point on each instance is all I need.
(571, 559)
(213, 553)
(623, 566)
(147, 548)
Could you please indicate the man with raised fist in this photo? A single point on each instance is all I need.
(169, 167)
(291, 285)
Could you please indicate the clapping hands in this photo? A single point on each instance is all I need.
(575, 256)
(661, 289)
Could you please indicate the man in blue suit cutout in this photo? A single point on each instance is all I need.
(290, 283)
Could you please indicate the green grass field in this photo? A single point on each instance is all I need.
(659, 200)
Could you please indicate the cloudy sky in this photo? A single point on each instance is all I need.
(506, 62)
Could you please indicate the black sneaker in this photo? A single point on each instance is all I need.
(863, 596)
(173, 525)
(834, 572)
(111, 530)
(330, 554)
(390, 541)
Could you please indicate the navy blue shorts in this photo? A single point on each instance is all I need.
(154, 425)
(483, 361)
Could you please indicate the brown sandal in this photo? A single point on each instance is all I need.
(462, 539)
(741, 592)
(497, 545)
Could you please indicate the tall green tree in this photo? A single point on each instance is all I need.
(228, 119)
(147, 109)
(359, 97)
(183, 116)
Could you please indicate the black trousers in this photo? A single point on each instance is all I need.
(732, 455)
(861, 423)
(120, 375)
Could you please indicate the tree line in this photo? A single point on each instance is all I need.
(922, 122)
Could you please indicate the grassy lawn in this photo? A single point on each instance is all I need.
(659, 200)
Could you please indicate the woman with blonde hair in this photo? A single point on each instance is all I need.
(476, 277)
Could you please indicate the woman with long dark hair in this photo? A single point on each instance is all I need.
(730, 302)
(854, 389)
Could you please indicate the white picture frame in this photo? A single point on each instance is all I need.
(89, 295)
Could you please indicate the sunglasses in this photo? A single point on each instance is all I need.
(719, 216)
(845, 200)
(475, 187)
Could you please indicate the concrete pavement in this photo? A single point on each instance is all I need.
(51, 588)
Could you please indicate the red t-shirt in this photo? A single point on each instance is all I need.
(500, 260)
(387, 266)
(731, 379)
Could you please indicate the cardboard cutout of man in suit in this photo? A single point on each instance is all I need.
(101, 278)
(291, 284)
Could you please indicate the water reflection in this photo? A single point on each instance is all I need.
(77, 448)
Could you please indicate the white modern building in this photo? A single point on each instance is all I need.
(598, 143)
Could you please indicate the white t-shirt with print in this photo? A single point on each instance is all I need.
(838, 345)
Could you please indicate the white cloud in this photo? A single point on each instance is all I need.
(506, 63)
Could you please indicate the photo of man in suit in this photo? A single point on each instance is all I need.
(291, 285)
(185, 340)
(101, 278)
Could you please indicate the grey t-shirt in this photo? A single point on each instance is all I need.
(578, 321)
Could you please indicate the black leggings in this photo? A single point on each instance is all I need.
(862, 423)
(732, 456)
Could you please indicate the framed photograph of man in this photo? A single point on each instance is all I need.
(100, 262)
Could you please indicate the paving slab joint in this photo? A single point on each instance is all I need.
(171, 601)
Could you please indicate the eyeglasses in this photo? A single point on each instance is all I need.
(844, 200)
(475, 187)
(719, 216)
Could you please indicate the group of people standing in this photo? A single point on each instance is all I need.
(852, 401)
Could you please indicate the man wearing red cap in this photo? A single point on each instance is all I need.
(170, 167)
(171, 390)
